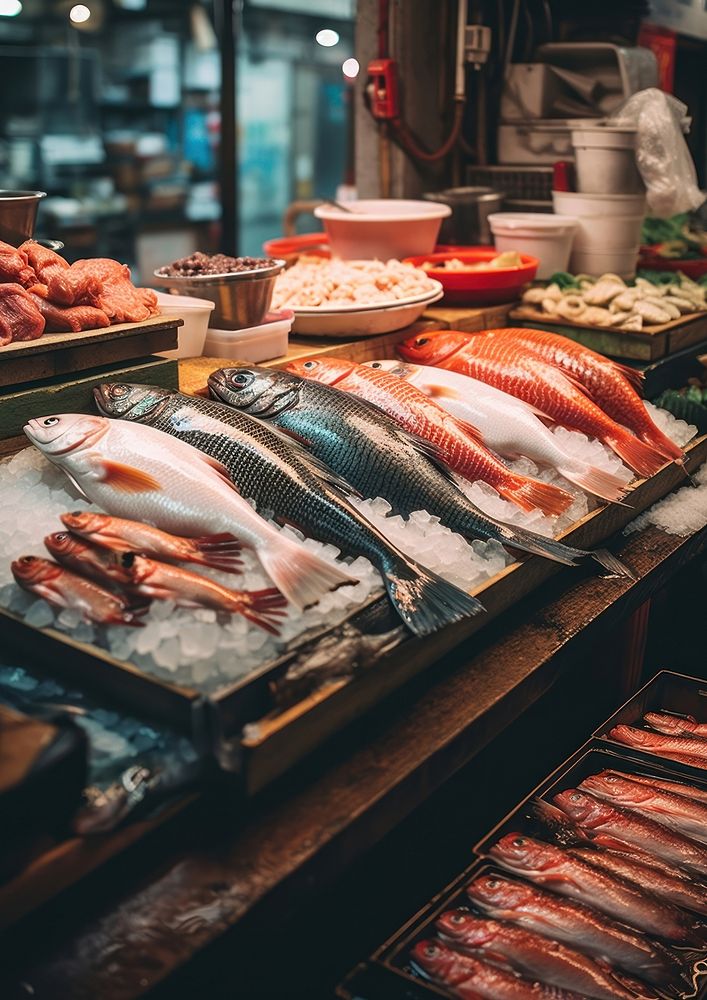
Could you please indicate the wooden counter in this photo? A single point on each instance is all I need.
(146, 923)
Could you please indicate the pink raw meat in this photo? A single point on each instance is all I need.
(20, 318)
(14, 266)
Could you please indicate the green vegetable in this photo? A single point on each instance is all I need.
(661, 230)
(564, 280)
(660, 277)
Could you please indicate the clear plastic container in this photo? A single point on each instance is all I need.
(255, 344)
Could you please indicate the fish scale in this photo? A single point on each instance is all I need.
(376, 455)
(280, 476)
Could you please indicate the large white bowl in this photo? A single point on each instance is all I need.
(381, 228)
(347, 307)
(361, 322)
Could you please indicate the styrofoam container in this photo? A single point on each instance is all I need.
(586, 206)
(255, 344)
(605, 160)
(543, 235)
(381, 228)
(596, 262)
(196, 314)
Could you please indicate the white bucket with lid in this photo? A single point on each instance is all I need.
(605, 160)
(540, 234)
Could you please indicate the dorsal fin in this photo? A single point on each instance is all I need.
(472, 432)
(634, 377)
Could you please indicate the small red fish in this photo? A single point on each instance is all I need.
(686, 749)
(549, 390)
(191, 590)
(101, 565)
(675, 725)
(63, 589)
(457, 443)
(217, 551)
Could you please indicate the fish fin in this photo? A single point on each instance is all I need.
(596, 481)
(532, 494)
(425, 601)
(219, 552)
(435, 391)
(76, 485)
(291, 435)
(663, 444)
(128, 479)
(220, 469)
(634, 377)
(302, 576)
(470, 431)
(613, 565)
(636, 454)
(538, 545)
(264, 608)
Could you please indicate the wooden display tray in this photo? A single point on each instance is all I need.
(276, 740)
(66, 353)
(641, 345)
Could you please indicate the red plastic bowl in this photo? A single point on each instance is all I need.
(291, 247)
(487, 287)
(649, 260)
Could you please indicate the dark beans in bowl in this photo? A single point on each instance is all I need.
(198, 264)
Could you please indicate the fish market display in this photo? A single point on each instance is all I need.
(608, 301)
(374, 454)
(100, 565)
(141, 473)
(42, 292)
(456, 443)
(319, 281)
(530, 954)
(118, 535)
(684, 749)
(470, 978)
(284, 478)
(550, 390)
(506, 424)
(683, 815)
(675, 725)
(570, 876)
(574, 924)
(623, 824)
(64, 589)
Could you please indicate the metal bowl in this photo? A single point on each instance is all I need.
(241, 299)
(18, 214)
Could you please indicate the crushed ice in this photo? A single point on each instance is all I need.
(681, 513)
(208, 651)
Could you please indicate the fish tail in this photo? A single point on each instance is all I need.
(550, 548)
(302, 576)
(425, 601)
(264, 608)
(641, 457)
(655, 437)
(532, 494)
(596, 481)
(219, 552)
(612, 564)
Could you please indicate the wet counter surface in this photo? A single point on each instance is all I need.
(222, 876)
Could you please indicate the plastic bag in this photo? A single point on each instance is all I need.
(662, 156)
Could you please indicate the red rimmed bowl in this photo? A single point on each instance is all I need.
(487, 286)
(692, 267)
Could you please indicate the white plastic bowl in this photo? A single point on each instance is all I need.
(542, 235)
(598, 262)
(258, 343)
(195, 313)
(383, 228)
(364, 322)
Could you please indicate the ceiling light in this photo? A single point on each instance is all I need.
(327, 37)
(350, 68)
(10, 8)
(79, 13)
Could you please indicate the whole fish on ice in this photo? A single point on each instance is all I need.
(280, 476)
(376, 455)
(142, 474)
(507, 425)
(499, 362)
(64, 589)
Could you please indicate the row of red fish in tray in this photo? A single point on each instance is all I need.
(41, 292)
(675, 737)
(608, 901)
(109, 570)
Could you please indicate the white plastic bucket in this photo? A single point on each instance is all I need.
(584, 206)
(195, 313)
(255, 344)
(547, 237)
(597, 262)
(605, 160)
(604, 222)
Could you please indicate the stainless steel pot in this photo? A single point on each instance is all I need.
(18, 214)
(471, 207)
(242, 298)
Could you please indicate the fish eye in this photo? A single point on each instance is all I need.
(119, 390)
(492, 883)
(430, 951)
(50, 421)
(309, 365)
(458, 918)
(376, 364)
(28, 559)
(575, 797)
(422, 341)
(127, 559)
(61, 536)
(519, 841)
(239, 379)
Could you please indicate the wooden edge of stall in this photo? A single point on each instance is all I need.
(278, 740)
(63, 865)
(59, 341)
